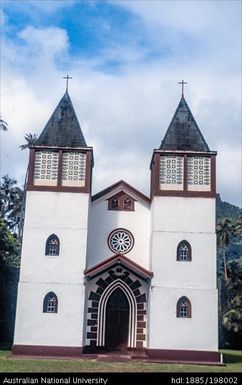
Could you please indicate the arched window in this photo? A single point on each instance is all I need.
(50, 304)
(183, 308)
(114, 203)
(127, 203)
(121, 202)
(52, 246)
(184, 251)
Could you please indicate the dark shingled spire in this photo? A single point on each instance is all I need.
(63, 128)
(183, 132)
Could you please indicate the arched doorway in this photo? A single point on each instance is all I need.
(117, 320)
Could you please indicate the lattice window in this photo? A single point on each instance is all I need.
(198, 173)
(184, 251)
(73, 169)
(50, 303)
(171, 172)
(184, 308)
(46, 168)
(52, 246)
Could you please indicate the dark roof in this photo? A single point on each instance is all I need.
(63, 128)
(183, 132)
(124, 185)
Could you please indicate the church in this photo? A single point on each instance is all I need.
(119, 271)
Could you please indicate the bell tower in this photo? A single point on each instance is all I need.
(51, 287)
(183, 239)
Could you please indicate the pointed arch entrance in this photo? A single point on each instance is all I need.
(101, 282)
(117, 320)
(123, 318)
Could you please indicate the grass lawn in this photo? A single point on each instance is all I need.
(232, 358)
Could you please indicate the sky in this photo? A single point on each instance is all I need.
(125, 59)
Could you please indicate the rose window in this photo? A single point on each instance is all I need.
(120, 241)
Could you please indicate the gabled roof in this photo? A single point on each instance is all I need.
(63, 128)
(119, 260)
(183, 132)
(121, 185)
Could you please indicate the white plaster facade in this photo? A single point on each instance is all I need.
(86, 274)
(65, 215)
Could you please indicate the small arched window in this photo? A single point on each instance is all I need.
(183, 308)
(50, 304)
(127, 203)
(184, 251)
(52, 246)
(114, 203)
(121, 202)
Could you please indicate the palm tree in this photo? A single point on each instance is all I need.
(226, 229)
(30, 139)
(11, 198)
(6, 189)
(3, 125)
(15, 210)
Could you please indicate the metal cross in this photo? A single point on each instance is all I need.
(182, 83)
(67, 77)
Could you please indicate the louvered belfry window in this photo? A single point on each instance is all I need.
(46, 168)
(199, 173)
(73, 169)
(171, 172)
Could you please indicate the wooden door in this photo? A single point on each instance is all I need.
(117, 320)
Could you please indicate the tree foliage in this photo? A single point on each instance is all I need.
(30, 141)
(11, 201)
(229, 231)
(226, 230)
(9, 246)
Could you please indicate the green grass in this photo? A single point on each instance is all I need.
(232, 358)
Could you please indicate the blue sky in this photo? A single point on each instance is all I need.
(126, 58)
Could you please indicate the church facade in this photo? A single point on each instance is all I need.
(119, 270)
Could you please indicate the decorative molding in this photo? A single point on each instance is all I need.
(120, 241)
(124, 185)
(120, 260)
(98, 299)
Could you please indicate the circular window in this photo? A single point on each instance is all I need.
(120, 241)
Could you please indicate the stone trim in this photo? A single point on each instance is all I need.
(96, 310)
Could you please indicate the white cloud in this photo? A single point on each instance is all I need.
(125, 114)
(49, 41)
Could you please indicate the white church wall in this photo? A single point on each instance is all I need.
(166, 331)
(33, 327)
(176, 219)
(183, 214)
(102, 221)
(64, 214)
(200, 272)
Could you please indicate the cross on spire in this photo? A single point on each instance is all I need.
(67, 77)
(182, 83)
